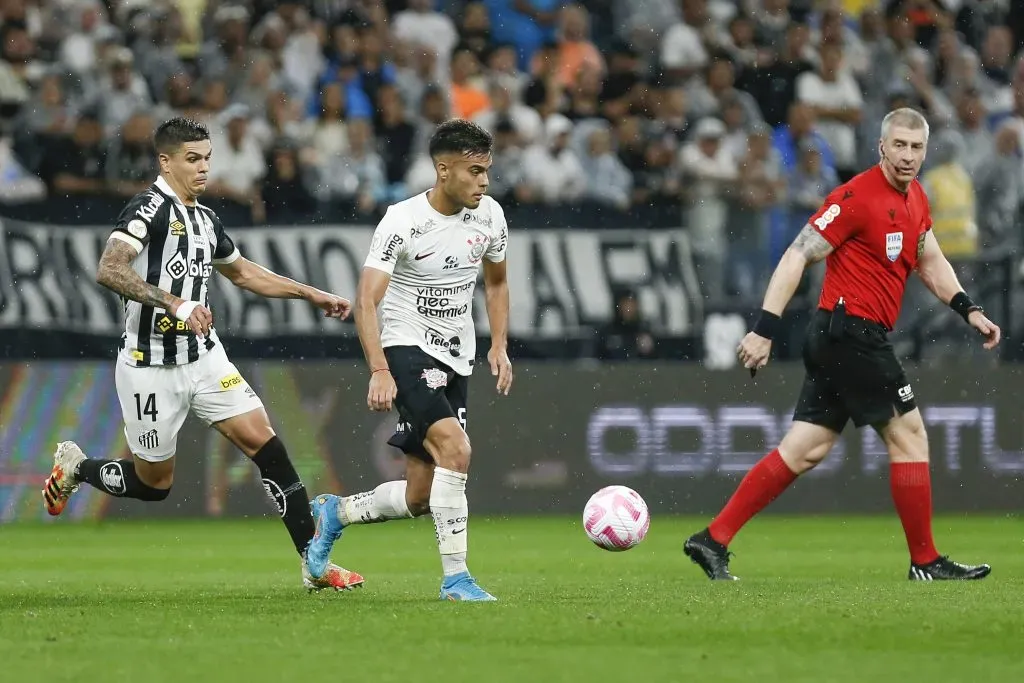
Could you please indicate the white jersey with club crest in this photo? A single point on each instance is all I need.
(434, 261)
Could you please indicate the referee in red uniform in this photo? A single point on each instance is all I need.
(872, 232)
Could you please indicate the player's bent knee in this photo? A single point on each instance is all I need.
(449, 446)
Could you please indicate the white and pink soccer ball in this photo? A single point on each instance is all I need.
(616, 518)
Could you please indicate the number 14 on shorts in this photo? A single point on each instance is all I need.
(146, 407)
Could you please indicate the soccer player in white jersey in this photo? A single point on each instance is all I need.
(421, 272)
(159, 258)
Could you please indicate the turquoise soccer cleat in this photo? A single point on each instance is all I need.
(328, 530)
(463, 588)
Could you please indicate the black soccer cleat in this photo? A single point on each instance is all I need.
(945, 569)
(709, 555)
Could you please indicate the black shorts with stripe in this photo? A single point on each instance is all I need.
(428, 392)
(855, 376)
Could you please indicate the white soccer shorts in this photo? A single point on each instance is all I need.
(155, 400)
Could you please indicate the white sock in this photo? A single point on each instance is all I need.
(450, 510)
(385, 502)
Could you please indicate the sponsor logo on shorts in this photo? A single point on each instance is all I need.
(893, 245)
(230, 382)
(905, 393)
(149, 439)
(112, 478)
(830, 214)
(435, 378)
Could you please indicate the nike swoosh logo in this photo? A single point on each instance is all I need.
(458, 531)
(420, 257)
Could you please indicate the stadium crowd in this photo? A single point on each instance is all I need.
(743, 113)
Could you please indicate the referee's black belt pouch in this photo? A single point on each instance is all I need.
(837, 322)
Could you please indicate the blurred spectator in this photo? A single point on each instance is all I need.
(608, 180)
(584, 96)
(574, 51)
(760, 187)
(627, 336)
(527, 24)
(122, 92)
(433, 111)
(836, 100)
(507, 172)
(553, 172)
(17, 53)
(475, 30)
(951, 198)
(286, 187)
(623, 91)
(130, 166)
(710, 172)
(683, 52)
(78, 48)
(467, 98)
(502, 70)
(706, 97)
(773, 84)
(76, 165)
(359, 174)
(999, 191)
(395, 138)
(525, 120)
(810, 181)
(801, 127)
(419, 24)
(240, 163)
(224, 54)
(979, 144)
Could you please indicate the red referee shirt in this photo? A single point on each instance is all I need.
(878, 235)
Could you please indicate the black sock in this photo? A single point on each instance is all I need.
(283, 485)
(118, 478)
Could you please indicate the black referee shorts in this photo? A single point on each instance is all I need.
(855, 376)
(428, 392)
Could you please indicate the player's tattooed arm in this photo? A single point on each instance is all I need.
(811, 244)
(115, 272)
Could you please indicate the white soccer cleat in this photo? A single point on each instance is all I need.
(338, 578)
(62, 483)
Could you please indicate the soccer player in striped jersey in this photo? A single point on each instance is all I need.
(159, 258)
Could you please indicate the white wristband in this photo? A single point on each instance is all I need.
(185, 310)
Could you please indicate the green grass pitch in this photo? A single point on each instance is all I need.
(822, 599)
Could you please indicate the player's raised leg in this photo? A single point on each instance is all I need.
(910, 481)
(804, 446)
(154, 404)
(399, 499)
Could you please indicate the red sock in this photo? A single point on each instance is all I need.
(911, 486)
(762, 484)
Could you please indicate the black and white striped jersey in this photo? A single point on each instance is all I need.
(178, 246)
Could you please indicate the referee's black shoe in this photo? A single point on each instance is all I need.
(709, 555)
(945, 569)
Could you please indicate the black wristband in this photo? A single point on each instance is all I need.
(962, 304)
(767, 325)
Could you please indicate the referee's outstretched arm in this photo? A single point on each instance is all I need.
(938, 276)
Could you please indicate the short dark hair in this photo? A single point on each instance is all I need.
(459, 136)
(173, 133)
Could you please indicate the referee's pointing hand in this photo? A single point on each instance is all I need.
(753, 351)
